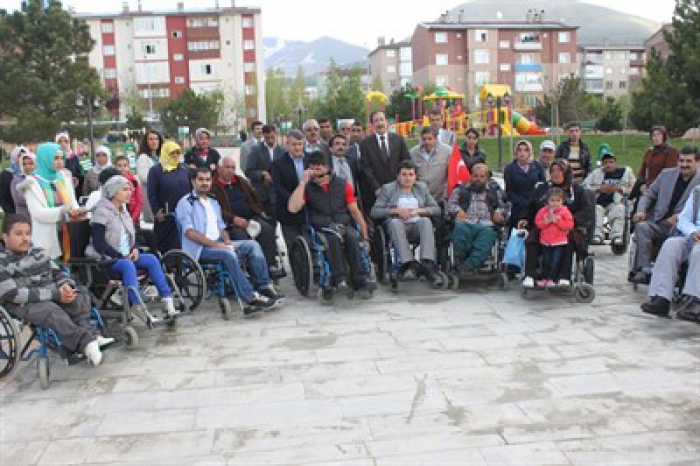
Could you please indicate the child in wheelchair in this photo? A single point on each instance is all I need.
(34, 289)
(332, 211)
(554, 222)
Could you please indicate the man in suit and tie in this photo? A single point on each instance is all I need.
(357, 134)
(313, 143)
(247, 147)
(659, 208)
(342, 164)
(286, 172)
(259, 163)
(382, 154)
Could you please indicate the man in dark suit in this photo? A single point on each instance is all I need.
(259, 163)
(357, 134)
(382, 154)
(286, 172)
(343, 165)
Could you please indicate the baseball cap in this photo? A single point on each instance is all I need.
(548, 145)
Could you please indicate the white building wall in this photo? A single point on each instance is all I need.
(259, 52)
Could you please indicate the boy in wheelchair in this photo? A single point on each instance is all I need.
(477, 208)
(35, 290)
(331, 209)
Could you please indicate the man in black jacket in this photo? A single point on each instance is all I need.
(343, 164)
(286, 173)
(258, 168)
(576, 152)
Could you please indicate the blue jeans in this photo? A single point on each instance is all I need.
(551, 261)
(248, 251)
(126, 270)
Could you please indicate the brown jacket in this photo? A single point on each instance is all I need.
(656, 158)
(252, 200)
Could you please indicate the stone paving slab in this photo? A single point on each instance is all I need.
(475, 376)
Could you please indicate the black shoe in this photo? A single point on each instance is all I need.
(428, 271)
(691, 313)
(407, 271)
(641, 278)
(657, 306)
(343, 287)
(276, 272)
(261, 303)
(270, 292)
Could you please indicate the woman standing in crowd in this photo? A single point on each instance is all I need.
(71, 161)
(150, 151)
(8, 174)
(168, 182)
(471, 153)
(50, 199)
(202, 155)
(659, 156)
(103, 159)
(27, 164)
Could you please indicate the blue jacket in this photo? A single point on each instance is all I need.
(689, 219)
(191, 216)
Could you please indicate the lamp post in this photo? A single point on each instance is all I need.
(499, 101)
(90, 103)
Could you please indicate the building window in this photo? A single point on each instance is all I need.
(441, 59)
(527, 37)
(440, 37)
(482, 77)
(247, 22)
(621, 56)
(623, 84)
(441, 80)
(108, 50)
(149, 25)
(391, 68)
(623, 70)
(203, 45)
(481, 35)
(525, 58)
(107, 28)
(564, 37)
(178, 57)
(608, 71)
(110, 73)
(202, 22)
(608, 56)
(248, 45)
(564, 57)
(206, 69)
(390, 53)
(634, 71)
(481, 57)
(633, 55)
(505, 67)
(249, 67)
(149, 49)
(608, 84)
(249, 89)
(177, 34)
(179, 80)
(504, 44)
(163, 92)
(405, 54)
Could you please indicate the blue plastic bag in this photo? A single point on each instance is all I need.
(515, 249)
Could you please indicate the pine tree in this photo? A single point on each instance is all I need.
(45, 69)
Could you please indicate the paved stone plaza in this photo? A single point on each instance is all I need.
(477, 376)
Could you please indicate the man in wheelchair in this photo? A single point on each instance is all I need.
(611, 183)
(332, 211)
(407, 206)
(674, 252)
(34, 289)
(477, 207)
(204, 237)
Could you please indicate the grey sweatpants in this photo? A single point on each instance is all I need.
(645, 233)
(664, 276)
(69, 321)
(403, 234)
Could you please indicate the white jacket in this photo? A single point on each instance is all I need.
(595, 180)
(45, 219)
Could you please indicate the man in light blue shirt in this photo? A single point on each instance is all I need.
(676, 251)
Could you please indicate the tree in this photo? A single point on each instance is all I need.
(277, 95)
(44, 56)
(400, 104)
(569, 99)
(342, 95)
(671, 89)
(377, 84)
(193, 110)
(135, 120)
(610, 117)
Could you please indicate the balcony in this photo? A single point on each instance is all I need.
(527, 46)
(529, 67)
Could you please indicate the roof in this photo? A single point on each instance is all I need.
(495, 25)
(170, 12)
(590, 48)
(393, 46)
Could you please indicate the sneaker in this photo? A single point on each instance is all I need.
(597, 240)
(93, 353)
(542, 283)
(640, 277)
(270, 292)
(104, 341)
(428, 271)
(276, 272)
(528, 282)
(657, 306)
(366, 292)
(169, 307)
(263, 303)
(551, 284)
(618, 241)
(690, 313)
(407, 271)
(564, 283)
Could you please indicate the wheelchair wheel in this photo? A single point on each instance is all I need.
(589, 270)
(302, 266)
(453, 278)
(584, 293)
(618, 249)
(226, 310)
(325, 296)
(505, 282)
(445, 282)
(131, 338)
(380, 255)
(44, 372)
(9, 343)
(188, 276)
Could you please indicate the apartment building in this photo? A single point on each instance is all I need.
(611, 70)
(158, 54)
(531, 55)
(658, 41)
(392, 63)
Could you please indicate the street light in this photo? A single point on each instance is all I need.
(91, 103)
(500, 101)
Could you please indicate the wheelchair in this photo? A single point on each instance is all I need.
(40, 343)
(220, 283)
(620, 249)
(387, 260)
(307, 258)
(110, 295)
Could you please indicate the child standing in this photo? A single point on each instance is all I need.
(554, 222)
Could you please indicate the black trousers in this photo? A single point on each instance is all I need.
(340, 251)
(266, 239)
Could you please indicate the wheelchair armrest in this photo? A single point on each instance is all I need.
(90, 261)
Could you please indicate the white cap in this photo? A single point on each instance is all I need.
(548, 144)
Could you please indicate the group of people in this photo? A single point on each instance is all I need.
(347, 185)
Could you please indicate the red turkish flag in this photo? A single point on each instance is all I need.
(457, 172)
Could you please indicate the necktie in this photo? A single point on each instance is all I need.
(382, 146)
(344, 170)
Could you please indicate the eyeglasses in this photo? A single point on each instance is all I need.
(313, 129)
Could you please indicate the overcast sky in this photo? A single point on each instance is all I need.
(358, 22)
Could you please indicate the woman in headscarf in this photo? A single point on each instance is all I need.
(113, 236)
(71, 160)
(103, 159)
(168, 182)
(6, 201)
(659, 156)
(202, 155)
(521, 176)
(471, 153)
(27, 164)
(50, 198)
(582, 208)
(150, 151)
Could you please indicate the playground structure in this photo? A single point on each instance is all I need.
(512, 122)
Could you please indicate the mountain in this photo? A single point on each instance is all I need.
(598, 25)
(313, 56)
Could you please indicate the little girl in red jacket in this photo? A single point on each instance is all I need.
(135, 204)
(554, 222)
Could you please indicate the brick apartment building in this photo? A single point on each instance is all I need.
(392, 63)
(160, 53)
(611, 70)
